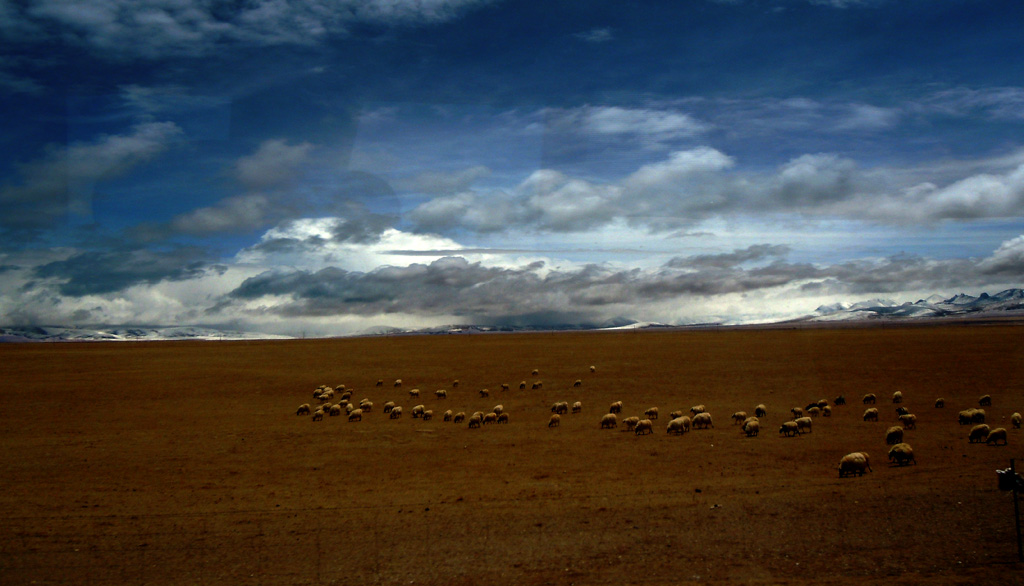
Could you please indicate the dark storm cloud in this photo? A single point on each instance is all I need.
(99, 272)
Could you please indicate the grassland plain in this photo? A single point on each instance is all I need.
(184, 462)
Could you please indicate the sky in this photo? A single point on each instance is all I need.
(329, 166)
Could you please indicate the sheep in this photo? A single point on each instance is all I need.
(810, 406)
(964, 417)
(739, 417)
(366, 406)
(560, 407)
(615, 407)
(447, 416)
(498, 409)
(593, 369)
(578, 383)
(894, 435)
(652, 413)
(396, 413)
(536, 385)
(814, 411)
(304, 409)
(840, 400)
(484, 393)
(909, 420)
(897, 397)
(398, 382)
(789, 429)
(535, 372)
(418, 410)
(414, 393)
(902, 411)
(697, 409)
(675, 414)
(644, 427)
(752, 428)
(356, 415)
(678, 426)
(1015, 420)
(978, 416)
(455, 384)
(803, 424)
(871, 414)
(503, 418)
(459, 417)
(702, 421)
(577, 407)
(522, 385)
(630, 423)
(441, 394)
(996, 435)
(869, 399)
(822, 403)
(504, 386)
(427, 415)
(978, 434)
(318, 415)
(760, 411)
(940, 403)
(346, 395)
(479, 414)
(749, 419)
(334, 411)
(985, 401)
(339, 387)
(901, 454)
(855, 463)
(826, 411)
(475, 421)
(380, 382)
(609, 421)
(555, 420)
(491, 417)
(349, 409)
(389, 406)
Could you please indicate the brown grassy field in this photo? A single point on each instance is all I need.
(184, 462)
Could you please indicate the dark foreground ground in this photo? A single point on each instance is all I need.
(180, 463)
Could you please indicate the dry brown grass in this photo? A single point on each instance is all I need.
(171, 463)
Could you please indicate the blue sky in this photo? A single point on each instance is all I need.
(333, 165)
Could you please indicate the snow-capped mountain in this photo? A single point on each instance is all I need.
(124, 334)
(1010, 300)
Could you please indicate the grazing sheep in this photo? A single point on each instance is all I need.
(396, 413)
(1015, 420)
(318, 415)
(964, 417)
(578, 383)
(979, 433)
(840, 400)
(555, 420)
(447, 416)
(909, 420)
(810, 406)
(593, 369)
(479, 414)
(303, 409)
(427, 415)
(996, 435)
(675, 414)
(349, 409)
(484, 393)
(459, 417)
(339, 387)
(504, 386)
(978, 416)
(702, 421)
(491, 417)
(940, 403)
(535, 372)
(652, 413)
(398, 382)
(897, 397)
(560, 407)
(380, 382)
(752, 428)
(644, 427)
(697, 409)
(615, 407)
(389, 406)
(366, 406)
(414, 393)
(826, 411)
(902, 411)
(869, 399)
(814, 411)
(902, 454)
(522, 385)
(855, 463)
(871, 414)
(760, 411)
(455, 383)
(356, 415)
(804, 424)
(536, 385)
(739, 417)
(985, 401)
(789, 429)
(894, 435)
(822, 403)
(630, 423)
(475, 421)
(502, 417)
(609, 421)
(441, 394)
(577, 407)
(334, 411)
(418, 410)
(499, 409)
(346, 395)
(678, 426)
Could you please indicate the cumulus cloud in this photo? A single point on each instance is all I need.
(442, 183)
(654, 125)
(99, 272)
(274, 163)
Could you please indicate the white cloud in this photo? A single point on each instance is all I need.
(274, 163)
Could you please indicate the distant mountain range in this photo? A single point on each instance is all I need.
(1008, 302)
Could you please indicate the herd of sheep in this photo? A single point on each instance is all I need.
(337, 400)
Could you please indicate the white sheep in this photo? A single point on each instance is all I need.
(555, 420)
(760, 411)
(797, 412)
(985, 401)
(630, 423)
(702, 420)
(535, 372)
(485, 393)
(498, 409)
(389, 406)
(536, 385)
(814, 411)
(826, 411)
(869, 399)
(349, 408)
(380, 382)
(752, 428)
(417, 411)
(675, 414)
(789, 429)
(855, 463)
(909, 420)
(697, 409)
(578, 383)
(396, 413)
(897, 397)
(894, 435)
(615, 407)
(447, 416)
(490, 418)
(804, 424)
(504, 386)
(678, 426)
(609, 421)
(356, 415)
(475, 421)
(522, 385)
(334, 411)
(652, 413)
(459, 417)
(427, 415)
(871, 414)
(441, 394)
(978, 434)
(503, 418)
(739, 417)
(398, 382)
(902, 454)
(560, 407)
(578, 406)
(318, 415)
(644, 427)
(940, 403)
(414, 393)
(303, 409)
(1015, 419)
(593, 369)
(996, 435)
(455, 384)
